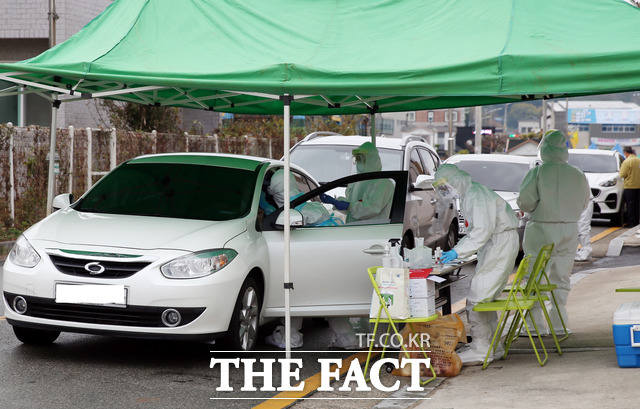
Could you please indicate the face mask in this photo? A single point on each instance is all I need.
(360, 161)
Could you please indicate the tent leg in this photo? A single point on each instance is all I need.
(373, 128)
(288, 286)
(52, 153)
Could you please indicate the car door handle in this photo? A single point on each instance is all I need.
(375, 250)
(433, 201)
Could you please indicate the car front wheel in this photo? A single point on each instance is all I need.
(243, 328)
(32, 336)
(452, 237)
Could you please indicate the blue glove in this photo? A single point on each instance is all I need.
(448, 256)
(327, 199)
(340, 205)
(264, 205)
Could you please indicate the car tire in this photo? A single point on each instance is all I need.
(32, 336)
(452, 237)
(618, 218)
(242, 334)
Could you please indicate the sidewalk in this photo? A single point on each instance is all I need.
(586, 375)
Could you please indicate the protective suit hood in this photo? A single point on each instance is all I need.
(372, 158)
(457, 178)
(276, 188)
(553, 148)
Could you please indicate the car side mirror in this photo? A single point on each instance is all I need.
(295, 219)
(423, 182)
(62, 201)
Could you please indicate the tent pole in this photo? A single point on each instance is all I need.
(478, 139)
(52, 152)
(288, 285)
(373, 128)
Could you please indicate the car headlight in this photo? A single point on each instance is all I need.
(198, 264)
(609, 183)
(23, 254)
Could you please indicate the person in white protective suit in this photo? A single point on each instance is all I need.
(368, 199)
(313, 214)
(555, 194)
(584, 233)
(491, 233)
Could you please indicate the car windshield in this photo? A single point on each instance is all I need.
(594, 163)
(498, 176)
(327, 163)
(185, 191)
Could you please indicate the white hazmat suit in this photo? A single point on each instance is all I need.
(555, 194)
(584, 233)
(491, 233)
(369, 199)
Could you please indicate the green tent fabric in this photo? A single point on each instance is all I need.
(337, 56)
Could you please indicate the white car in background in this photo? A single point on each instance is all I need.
(179, 246)
(601, 167)
(327, 156)
(501, 173)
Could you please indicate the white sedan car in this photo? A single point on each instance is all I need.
(501, 173)
(601, 167)
(177, 246)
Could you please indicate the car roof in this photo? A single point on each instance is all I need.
(217, 159)
(227, 160)
(491, 157)
(357, 140)
(593, 152)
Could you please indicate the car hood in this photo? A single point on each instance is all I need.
(595, 179)
(141, 232)
(510, 197)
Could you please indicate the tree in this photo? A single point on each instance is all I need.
(520, 111)
(145, 118)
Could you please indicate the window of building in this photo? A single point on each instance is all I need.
(387, 126)
(411, 116)
(454, 115)
(618, 128)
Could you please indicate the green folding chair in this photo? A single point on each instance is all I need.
(538, 288)
(520, 302)
(392, 324)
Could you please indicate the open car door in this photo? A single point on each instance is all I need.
(329, 261)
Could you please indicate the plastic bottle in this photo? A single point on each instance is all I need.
(394, 255)
(386, 259)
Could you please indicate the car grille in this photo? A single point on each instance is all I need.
(595, 192)
(130, 316)
(112, 269)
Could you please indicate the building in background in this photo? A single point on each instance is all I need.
(603, 123)
(25, 32)
(433, 125)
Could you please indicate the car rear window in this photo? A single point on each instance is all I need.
(184, 191)
(594, 163)
(330, 162)
(498, 176)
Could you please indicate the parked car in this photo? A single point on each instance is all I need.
(177, 246)
(601, 167)
(501, 173)
(327, 156)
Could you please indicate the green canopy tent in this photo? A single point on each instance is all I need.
(313, 57)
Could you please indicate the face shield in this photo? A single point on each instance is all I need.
(360, 160)
(445, 190)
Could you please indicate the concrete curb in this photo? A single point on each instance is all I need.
(615, 245)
